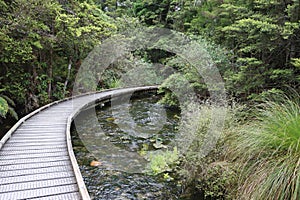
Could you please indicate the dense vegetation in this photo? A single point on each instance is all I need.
(40, 39)
(254, 43)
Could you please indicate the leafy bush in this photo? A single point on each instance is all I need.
(3, 107)
(211, 174)
(6, 106)
(186, 77)
(218, 180)
(142, 73)
(132, 71)
(114, 83)
(163, 161)
(58, 91)
(175, 87)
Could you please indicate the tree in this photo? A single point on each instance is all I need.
(264, 37)
(40, 39)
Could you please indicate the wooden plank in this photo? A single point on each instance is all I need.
(37, 184)
(34, 137)
(34, 193)
(34, 151)
(43, 144)
(38, 155)
(22, 172)
(36, 177)
(24, 148)
(35, 165)
(36, 160)
(39, 132)
(41, 125)
(40, 140)
(66, 196)
(41, 129)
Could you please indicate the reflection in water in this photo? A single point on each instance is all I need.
(116, 142)
(118, 133)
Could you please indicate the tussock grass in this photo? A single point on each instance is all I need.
(268, 152)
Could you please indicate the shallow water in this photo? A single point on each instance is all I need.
(115, 139)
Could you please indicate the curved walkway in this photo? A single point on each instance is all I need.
(36, 156)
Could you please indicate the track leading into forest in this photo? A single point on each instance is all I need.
(36, 156)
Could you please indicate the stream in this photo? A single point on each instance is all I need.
(109, 149)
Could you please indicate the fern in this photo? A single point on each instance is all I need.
(3, 107)
(6, 106)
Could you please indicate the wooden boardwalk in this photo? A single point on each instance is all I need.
(36, 156)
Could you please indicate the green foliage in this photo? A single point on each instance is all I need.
(218, 180)
(178, 83)
(131, 71)
(263, 35)
(141, 73)
(205, 21)
(59, 92)
(152, 12)
(268, 151)
(163, 161)
(6, 106)
(265, 94)
(20, 87)
(241, 81)
(39, 39)
(212, 174)
(114, 83)
(186, 77)
(42, 89)
(296, 62)
(85, 29)
(3, 107)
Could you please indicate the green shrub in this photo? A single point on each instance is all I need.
(175, 87)
(3, 107)
(6, 106)
(186, 78)
(210, 174)
(218, 180)
(163, 161)
(114, 83)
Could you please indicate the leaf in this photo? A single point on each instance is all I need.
(78, 32)
(37, 44)
(3, 107)
(95, 163)
(296, 62)
(9, 100)
(13, 113)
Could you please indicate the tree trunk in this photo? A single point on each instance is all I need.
(31, 101)
(68, 76)
(50, 74)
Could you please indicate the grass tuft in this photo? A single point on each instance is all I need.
(268, 152)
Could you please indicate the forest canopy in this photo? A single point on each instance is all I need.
(255, 44)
